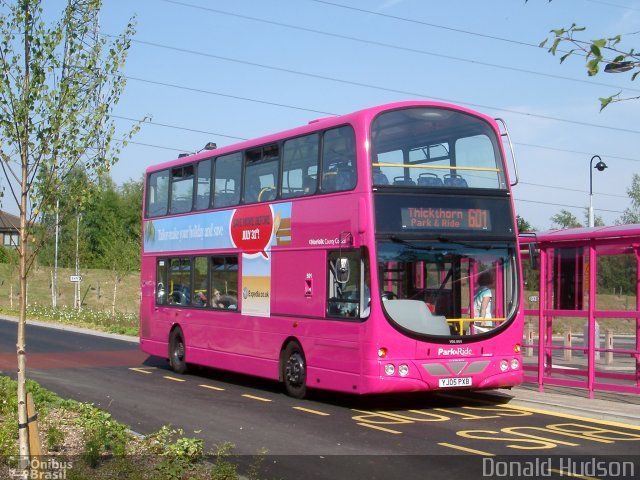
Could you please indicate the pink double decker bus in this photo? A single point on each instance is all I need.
(370, 252)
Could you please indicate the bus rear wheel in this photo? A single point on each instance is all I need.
(294, 371)
(177, 351)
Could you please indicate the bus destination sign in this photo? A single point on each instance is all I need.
(445, 218)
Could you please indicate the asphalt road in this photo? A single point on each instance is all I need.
(455, 434)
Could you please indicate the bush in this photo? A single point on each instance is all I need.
(103, 435)
(180, 455)
(55, 438)
(107, 449)
(44, 399)
(8, 255)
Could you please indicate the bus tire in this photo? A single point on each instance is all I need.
(294, 371)
(177, 351)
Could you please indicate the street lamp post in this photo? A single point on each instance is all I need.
(600, 166)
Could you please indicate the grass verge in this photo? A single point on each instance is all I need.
(122, 323)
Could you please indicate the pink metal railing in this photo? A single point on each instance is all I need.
(558, 361)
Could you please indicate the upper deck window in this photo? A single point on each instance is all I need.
(181, 189)
(338, 160)
(227, 181)
(203, 185)
(158, 193)
(261, 174)
(300, 166)
(435, 147)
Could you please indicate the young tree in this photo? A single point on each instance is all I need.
(113, 226)
(523, 225)
(122, 251)
(59, 84)
(632, 214)
(565, 219)
(75, 181)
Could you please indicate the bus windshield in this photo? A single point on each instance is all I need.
(435, 147)
(448, 288)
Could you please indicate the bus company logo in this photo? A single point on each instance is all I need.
(329, 241)
(458, 351)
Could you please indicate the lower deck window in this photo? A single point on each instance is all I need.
(199, 282)
(348, 290)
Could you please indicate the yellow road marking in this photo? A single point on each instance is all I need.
(261, 399)
(468, 450)
(315, 412)
(142, 370)
(174, 379)
(570, 416)
(211, 387)
(565, 473)
(376, 427)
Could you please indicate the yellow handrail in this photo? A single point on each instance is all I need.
(462, 321)
(436, 167)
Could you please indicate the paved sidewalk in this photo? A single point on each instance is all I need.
(606, 406)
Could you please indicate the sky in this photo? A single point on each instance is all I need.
(228, 70)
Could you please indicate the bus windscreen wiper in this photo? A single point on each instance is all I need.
(395, 239)
(442, 239)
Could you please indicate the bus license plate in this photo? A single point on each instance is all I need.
(454, 382)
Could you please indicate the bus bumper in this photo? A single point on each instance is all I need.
(439, 374)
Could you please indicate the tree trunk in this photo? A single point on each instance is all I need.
(115, 293)
(23, 434)
(21, 346)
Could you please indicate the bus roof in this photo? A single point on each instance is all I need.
(313, 125)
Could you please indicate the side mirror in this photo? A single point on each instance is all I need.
(343, 270)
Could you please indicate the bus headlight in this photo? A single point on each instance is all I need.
(389, 369)
(515, 364)
(504, 365)
(403, 370)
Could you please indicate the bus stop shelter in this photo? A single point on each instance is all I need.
(582, 308)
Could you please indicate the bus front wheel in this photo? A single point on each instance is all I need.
(295, 371)
(177, 351)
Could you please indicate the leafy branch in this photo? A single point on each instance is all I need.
(602, 51)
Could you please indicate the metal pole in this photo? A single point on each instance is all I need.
(77, 287)
(591, 216)
(55, 259)
(593, 342)
(600, 166)
(542, 305)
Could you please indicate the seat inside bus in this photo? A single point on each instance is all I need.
(379, 178)
(455, 180)
(429, 180)
(401, 180)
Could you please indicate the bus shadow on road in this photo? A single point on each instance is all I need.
(220, 376)
(411, 401)
(387, 401)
